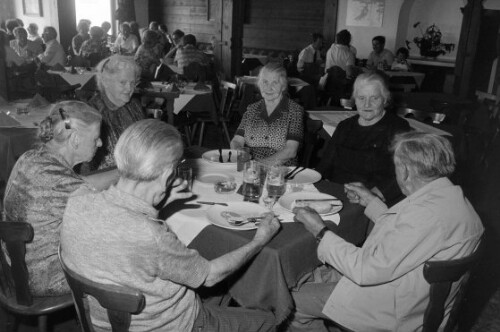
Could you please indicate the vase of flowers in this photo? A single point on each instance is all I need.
(429, 43)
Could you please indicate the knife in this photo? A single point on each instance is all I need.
(211, 203)
(220, 156)
(317, 200)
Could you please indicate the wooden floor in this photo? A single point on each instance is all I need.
(481, 311)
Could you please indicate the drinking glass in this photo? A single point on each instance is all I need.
(242, 156)
(276, 184)
(185, 172)
(251, 181)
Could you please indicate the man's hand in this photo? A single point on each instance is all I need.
(358, 193)
(175, 194)
(268, 227)
(310, 218)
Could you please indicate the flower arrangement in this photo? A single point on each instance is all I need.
(430, 43)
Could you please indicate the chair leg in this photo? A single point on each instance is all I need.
(202, 130)
(42, 323)
(193, 131)
(187, 132)
(226, 133)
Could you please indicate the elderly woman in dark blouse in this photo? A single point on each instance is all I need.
(116, 81)
(359, 148)
(42, 181)
(273, 127)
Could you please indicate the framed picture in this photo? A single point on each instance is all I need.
(32, 7)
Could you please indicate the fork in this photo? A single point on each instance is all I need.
(294, 174)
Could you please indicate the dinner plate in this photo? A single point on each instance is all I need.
(244, 209)
(307, 176)
(212, 156)
(287, 201)
(213, 177)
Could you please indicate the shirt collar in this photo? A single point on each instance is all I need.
(108, 103)
(130, 202)
(280, 108)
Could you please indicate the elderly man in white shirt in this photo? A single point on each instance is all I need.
(54, 53)
(311, 54)
(126, 43)
(381, 286)
(340, 54)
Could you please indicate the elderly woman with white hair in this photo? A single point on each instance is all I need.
(116, 81)
(43, 179)
(359, 148)
(273, 127)
(380, 286)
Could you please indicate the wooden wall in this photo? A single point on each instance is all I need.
(190, 16)
(282, 24)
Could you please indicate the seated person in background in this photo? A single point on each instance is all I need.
(359, 148)
(43, 179)
(340, 55)
(26, 49)
(10, 25)
(189, 53)
(164, 38)
(82, 36)
(126, 43)
(176, 44)
(114, 237)
(54, 52)
(380, 58)
(148, 55)
(94, 49)
(401, 62)
(273, 127)
(12, 59)
(116, 79)
(33, 34)
(134, 30)
(309, 61)
(106, 27)
(381, 286)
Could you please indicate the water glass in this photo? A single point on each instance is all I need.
(251, 181)
(242, 156)
(276, 184)
(185, 172)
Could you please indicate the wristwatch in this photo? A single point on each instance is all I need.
(321, 233)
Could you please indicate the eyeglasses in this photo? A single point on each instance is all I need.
(65, 118)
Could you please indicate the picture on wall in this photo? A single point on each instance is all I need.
(32, 7)
(365, 13)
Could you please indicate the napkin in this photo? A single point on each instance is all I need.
(8, 121)
(38, 101)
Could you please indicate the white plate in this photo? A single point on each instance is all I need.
(245, 209)
(307, 176)
(212, 156)
(287, 200)
(212, 178)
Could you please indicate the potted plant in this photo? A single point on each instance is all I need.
(430, 43)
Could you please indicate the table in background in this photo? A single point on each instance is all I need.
(82, 77)
(265, 282)
(418, 77)
(14, 141)
(331, 119)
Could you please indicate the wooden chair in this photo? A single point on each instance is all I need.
(223, 99)
(119, 301)
(405, 87)
(15, 295)
(440, 275)
(311, 138)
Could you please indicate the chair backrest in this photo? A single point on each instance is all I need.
(440, 275)
(119, 301)
(14, 276)
(228, 96)
(311, 136)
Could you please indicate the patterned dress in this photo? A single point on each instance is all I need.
(114, 122)
(146, 58)
(37, 192)
(266, 135)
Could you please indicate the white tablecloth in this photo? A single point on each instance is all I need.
(73, 79)
(188, 223)
(187, 94)
(331, 119)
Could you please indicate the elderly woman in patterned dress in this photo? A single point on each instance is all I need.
(116, 80)
(42, 181)
(272, 127)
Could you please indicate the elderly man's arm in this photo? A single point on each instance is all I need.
(229, 263)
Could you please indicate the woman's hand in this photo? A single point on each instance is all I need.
(358, 193)
(237, 142)
(175, 192)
